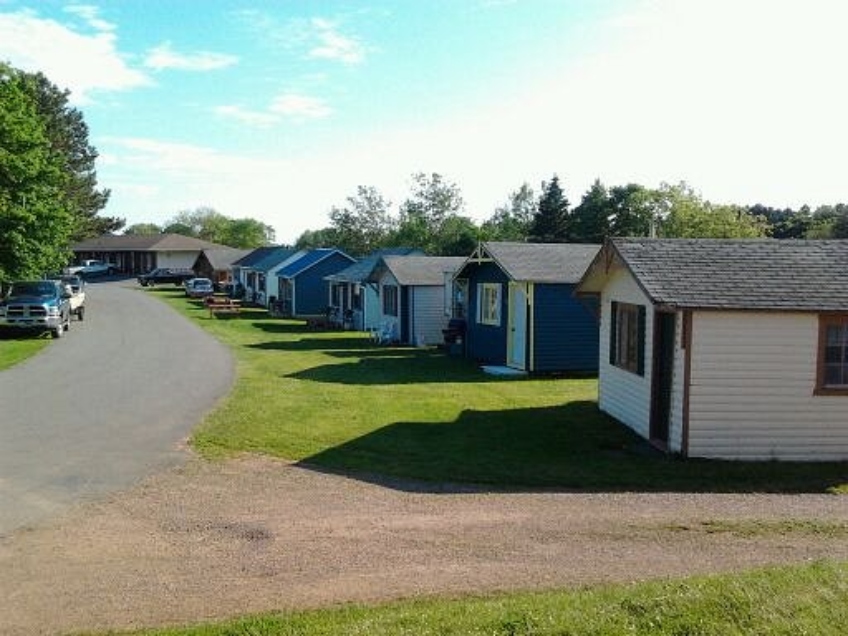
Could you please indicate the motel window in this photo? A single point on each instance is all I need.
(489, 304)
(833, 355)
(390, 300)
(627, 337)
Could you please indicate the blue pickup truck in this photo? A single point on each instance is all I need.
(39, 305)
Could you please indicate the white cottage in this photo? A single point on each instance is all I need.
(734, 349)
(416, 295)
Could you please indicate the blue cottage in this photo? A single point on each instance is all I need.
(302, 288)
(520, 307)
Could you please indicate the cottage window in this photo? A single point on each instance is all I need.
(627, 337)
(489, 304)
(390, 300)
(833, 355)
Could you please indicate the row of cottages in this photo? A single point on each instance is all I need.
(137, 254)
(293, 279)
(729, 349)
(522, 312)
(352, 294)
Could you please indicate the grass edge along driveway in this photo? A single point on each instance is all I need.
(335, 401)
(807, 599)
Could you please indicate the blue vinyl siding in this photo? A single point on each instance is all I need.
(486, 343)
(566, 331)
(312, 292)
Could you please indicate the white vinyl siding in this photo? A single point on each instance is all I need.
(428, 314)
(751, 396)
(624, 395)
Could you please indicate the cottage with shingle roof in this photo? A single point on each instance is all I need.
(521, 310)
(350, 293)
(302, 288)
(720, 348)
(254, 272)
(415, 296)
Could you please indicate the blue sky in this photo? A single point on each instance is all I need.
(278, 110)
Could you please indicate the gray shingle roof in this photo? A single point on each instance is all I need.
(422, 270)
(541, 262)
(223, 257)
(740, 274)
(152, 243)
(359, 271)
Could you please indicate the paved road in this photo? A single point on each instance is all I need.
(104, 406)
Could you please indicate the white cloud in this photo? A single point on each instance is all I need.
(36, 44)
(164, 57)
(332, 45)
(91, 15)
(247, 116)
(300, 107)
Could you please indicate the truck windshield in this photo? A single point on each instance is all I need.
(32, 289)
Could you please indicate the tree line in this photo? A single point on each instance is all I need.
(433, 218)
(208, 224)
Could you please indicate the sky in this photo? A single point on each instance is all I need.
(278, 110)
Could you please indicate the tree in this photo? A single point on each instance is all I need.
(590, 221)
(67, 133)
(36, 219)
(143, 229)
(512, 221)
(634, 210)
(209, 225)
(783, 223)
(829, 221)
(687, 215)
(247, 233)
(551, 221)
(423, 215)
(364, 224)
(317, 238)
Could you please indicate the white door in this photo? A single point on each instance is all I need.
(517, 327)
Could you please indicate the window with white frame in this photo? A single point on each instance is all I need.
(489, 304)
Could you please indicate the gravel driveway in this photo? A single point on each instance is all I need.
(104, 406)
(213, 540)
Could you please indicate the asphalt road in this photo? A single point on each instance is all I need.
(111, 402)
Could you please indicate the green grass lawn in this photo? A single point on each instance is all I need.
(335, 401)
(786, 601)
(14, 348)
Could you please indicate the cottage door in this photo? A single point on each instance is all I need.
(517, 327)
(663, 375)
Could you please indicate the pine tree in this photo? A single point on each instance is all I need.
(551, 222)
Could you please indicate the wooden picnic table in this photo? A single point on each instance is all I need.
(218, 305)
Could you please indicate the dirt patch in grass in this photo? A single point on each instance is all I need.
(213, 540)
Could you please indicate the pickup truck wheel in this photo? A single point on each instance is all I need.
(81, 314)
(57, 333)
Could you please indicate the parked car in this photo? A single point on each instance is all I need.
(163, 275)
(77, 285)
(43, 305)
(91, 267)
(199, 288)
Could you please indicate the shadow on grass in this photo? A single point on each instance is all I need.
(572, 448)
(397, 366)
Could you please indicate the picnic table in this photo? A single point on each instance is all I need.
(218, 305)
